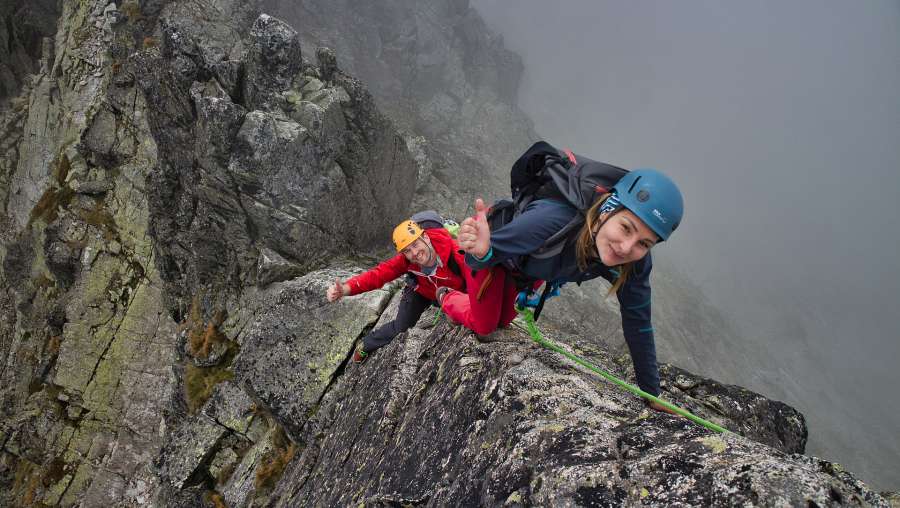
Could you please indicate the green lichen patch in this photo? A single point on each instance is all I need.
(714, 443)
(80, 482)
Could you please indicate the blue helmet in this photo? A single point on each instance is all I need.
(654, 198)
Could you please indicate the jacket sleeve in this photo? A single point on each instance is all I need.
(526, 233)
(634, 304)
(378, 276)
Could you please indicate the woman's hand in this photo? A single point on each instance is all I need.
(474, 233)
(337, 291)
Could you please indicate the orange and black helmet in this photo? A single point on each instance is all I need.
(406, 233)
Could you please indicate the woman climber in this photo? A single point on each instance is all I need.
(621, 226)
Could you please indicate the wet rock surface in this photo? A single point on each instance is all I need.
(176, 181)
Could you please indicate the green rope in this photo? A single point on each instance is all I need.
(437, 316)
(532, 329)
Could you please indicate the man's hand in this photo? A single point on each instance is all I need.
(337, 291)
(474, 233)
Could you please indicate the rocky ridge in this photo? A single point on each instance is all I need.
(438, 418)
(174, 167)
(445, 79)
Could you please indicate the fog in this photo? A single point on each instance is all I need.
(781, 123)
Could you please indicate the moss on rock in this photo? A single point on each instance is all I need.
(199, 382)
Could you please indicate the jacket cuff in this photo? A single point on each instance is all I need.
(473, 262)
(489, 255)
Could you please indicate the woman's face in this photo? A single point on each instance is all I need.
(419, 252)
(623, 238)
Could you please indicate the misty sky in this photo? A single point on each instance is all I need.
(781, 123)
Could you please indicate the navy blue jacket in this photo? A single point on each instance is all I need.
(527, 232)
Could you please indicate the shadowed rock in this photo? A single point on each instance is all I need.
(295, 343)
(300, 167)
(437, 419)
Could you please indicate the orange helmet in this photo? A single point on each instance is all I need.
(406, 233)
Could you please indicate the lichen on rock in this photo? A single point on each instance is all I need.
(173, 162)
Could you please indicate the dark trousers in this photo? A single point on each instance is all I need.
(412, 305)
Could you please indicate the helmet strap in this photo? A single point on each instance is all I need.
(610, 207)
(434, 257)
(611, 204)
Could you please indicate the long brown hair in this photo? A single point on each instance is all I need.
(586, 248)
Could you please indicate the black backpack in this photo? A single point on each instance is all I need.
(546, 172)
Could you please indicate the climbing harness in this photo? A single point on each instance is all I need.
(531, 328)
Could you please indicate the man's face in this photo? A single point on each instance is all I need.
(419, 252)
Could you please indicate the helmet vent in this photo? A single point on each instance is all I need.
(636, 180)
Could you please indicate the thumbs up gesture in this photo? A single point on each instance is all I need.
(474, 233)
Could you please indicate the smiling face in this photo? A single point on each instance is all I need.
(419, 252)
(623, 238)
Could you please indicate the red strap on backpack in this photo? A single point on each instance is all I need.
(570, 155)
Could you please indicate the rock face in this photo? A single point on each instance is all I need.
(87, 344)
(180, 183)
(437, 418)
(161, 157)
(288, 162)
(291, 327)
(437, 72)
(24, 41)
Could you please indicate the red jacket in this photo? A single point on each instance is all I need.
(444, 245)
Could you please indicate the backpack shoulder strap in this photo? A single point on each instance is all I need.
(554, 245)
(454, 267)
